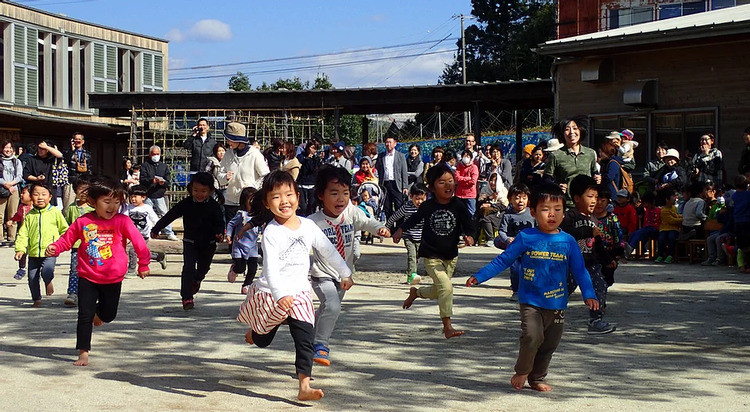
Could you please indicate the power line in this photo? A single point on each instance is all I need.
(309, 56)
(315, 66)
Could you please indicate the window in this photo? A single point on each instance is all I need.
(682, 130)
(638, 124)
(105, 68)
(721, 4)
(629, 17)
(667, 11)
(153, 72)
(25, 66)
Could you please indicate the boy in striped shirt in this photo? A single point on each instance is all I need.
(412, 237)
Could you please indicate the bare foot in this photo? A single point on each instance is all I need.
(37, 304)
(309, 394)
(50, 289)
(518, 381)
(452, 333)
(98, 322)
(540, 386)
(412, 297)
(249, 337)
(83, 358)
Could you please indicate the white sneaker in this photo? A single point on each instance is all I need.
(172, 237)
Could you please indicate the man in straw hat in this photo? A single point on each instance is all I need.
(244, 164)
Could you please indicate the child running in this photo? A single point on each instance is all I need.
(75, 210)
(445, 218)
(24, 207)
(204, 226)
(282, 291)
(516, 218)
(340, 221)
(245, 244)
(102, 260)
(144, 218)
(41, 226)
(547, 255)
(412, 237)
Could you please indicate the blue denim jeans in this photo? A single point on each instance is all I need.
(160, 207)
(644, 233)
(667, 242)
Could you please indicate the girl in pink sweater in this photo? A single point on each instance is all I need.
(467, 175)
(102, 259)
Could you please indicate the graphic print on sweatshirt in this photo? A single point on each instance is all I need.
(140, 220)
(98, 243)
(297, 247)
(442, 222)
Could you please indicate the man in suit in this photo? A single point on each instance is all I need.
(393, 175)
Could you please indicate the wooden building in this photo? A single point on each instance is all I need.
(49, 64)
(669, 80)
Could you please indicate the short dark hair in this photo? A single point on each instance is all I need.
(246, 195)
(329, 173)
(696, 188)
(434, 173)
(517, 189)
(580, 184)
(648, 197)
(100, 186)
(438, 149)
(603, 191)
(138, 190)
(746, 131)
(497, 147)
(202, 119)
(662, 144)
(42, 184)
(417, 146)
(558, 130)
(546, 192)
(271, 181)
(448, 155)
(418, 189)
(135, 167)
(216, 148)
(81, 181)
(202, 178)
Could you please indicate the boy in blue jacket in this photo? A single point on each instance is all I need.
(547, 255)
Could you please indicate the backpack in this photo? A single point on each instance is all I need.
(626, 181)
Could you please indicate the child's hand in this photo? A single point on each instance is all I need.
(286, 302)
(593, 304)
(144, 274)
(9, 223)
(50, 252)
(18, 256)
(469, 240)
(397, 235)
(154, 235)
(612, 264)
(347, 283)
(384, 232)
(219, 237)
(510, 240)
(238, 234)
(228, 239)
(471, 281)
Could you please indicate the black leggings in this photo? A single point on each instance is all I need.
(302, 334)
(239, 265)
(196, 264)
(95, 299)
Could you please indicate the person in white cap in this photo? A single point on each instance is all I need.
(671, 176)
(244, 164)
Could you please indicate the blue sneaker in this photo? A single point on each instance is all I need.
(321, 355)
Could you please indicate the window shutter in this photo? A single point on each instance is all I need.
(33, 87)
(112, 62)
(19, 85)
(158, 70)
(98, 60)
(32, 48)
(19, 44)
(148, 69)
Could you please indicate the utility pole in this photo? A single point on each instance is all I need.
(463, 69)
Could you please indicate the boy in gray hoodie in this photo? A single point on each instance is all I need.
(516, 218)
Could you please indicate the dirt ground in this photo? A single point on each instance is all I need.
(682, 343)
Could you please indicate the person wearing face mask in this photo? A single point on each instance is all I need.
(467, 174)
(155, 176)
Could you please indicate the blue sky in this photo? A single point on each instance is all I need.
(221, 32)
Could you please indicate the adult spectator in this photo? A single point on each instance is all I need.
(244, 165)
(156, 177)
(370, 150)
(470, 143)
(126, 174)
(500, 165)
(310, 163)
(437, 157)
(744, 166)
(525, 155)
(573, 158)
(610, 164)
(671, 175)
(200, 144)
(38, 168)
(11, 175)
(467, 175)
(708, 163)
(214, 167)
(79, 162)
(275, 154)
(393, 175)
(290, 163)
(532, 169)
(337, 156)
(414, 165)
(653, 167)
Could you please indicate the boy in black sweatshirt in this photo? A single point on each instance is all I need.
(580, 223)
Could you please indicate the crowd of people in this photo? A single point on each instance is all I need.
(564, 217)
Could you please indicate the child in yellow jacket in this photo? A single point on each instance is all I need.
(669, 229)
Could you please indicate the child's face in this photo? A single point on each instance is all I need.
(365, 167)
(493, 181)
(26, 197)
(107, 206)
(200, 192)
(601, 205)
(81, 193)
(365, 196)
(282, 201)
(418, 199)
(548, 215)
(40, 197)
(586, 202)
(452, 162)
(137, 200)
(335, 198)
(444, 187)
(622, 201)
(671, 200)
(519, 202)
(709, 194)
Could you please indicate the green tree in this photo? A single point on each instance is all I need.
(239, 82)
(322, 82)
(294, 83)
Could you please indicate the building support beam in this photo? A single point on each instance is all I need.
(47, 71)
(75, 71)
(61, 73)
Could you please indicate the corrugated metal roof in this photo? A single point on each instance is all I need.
(715, 19)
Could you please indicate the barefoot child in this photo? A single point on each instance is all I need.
(445, 219)
(340, 221)
(102, 260)
(42, 226)
(282, 291)
(75, 210)
(204, 226)
(144, 218)
(24, 207)
(245, 244)
(547, 255)
(412, 237)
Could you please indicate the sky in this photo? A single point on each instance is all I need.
(222, 32)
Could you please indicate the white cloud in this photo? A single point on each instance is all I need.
(209, 30)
